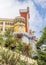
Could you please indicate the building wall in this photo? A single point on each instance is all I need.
(5, 24)
(19, 28)
(19, 24)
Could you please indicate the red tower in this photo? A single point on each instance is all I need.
(25, 13)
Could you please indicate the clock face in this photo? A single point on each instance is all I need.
(20, 28)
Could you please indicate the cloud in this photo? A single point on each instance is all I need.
(10, 9)
(35, 20)
(42, 3)
(21, 0)
(6, 8)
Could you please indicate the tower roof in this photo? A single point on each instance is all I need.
(19, 19)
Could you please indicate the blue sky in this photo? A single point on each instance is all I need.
(10, 9)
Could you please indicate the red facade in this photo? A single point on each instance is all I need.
(24, 14)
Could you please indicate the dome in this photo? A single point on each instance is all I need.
(19, 19)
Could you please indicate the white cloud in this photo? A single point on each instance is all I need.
(35, 19)
(6, 8)
(41, 2)
(10, 9)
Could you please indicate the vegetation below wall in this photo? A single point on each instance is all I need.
(8, 57)
(14, 45)
(41, 51)
(42, 39)
(11, 48)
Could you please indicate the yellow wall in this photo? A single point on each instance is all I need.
(18, 29)
(6, 25)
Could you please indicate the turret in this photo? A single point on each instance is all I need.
(25, 13)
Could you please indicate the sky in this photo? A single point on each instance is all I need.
(10, 9)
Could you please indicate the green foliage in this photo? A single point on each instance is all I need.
(43, 38)
(1, 40)
(12, 44)
(41, 62)
(8, 57)
(20, 47)
(42, 54)
(8, 33)
(22, 63)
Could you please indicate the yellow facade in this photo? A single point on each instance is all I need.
(8, 24)
(19, 28)
(17, 24)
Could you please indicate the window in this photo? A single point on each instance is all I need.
(1, 22)
(9, 23)
(1, 29)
